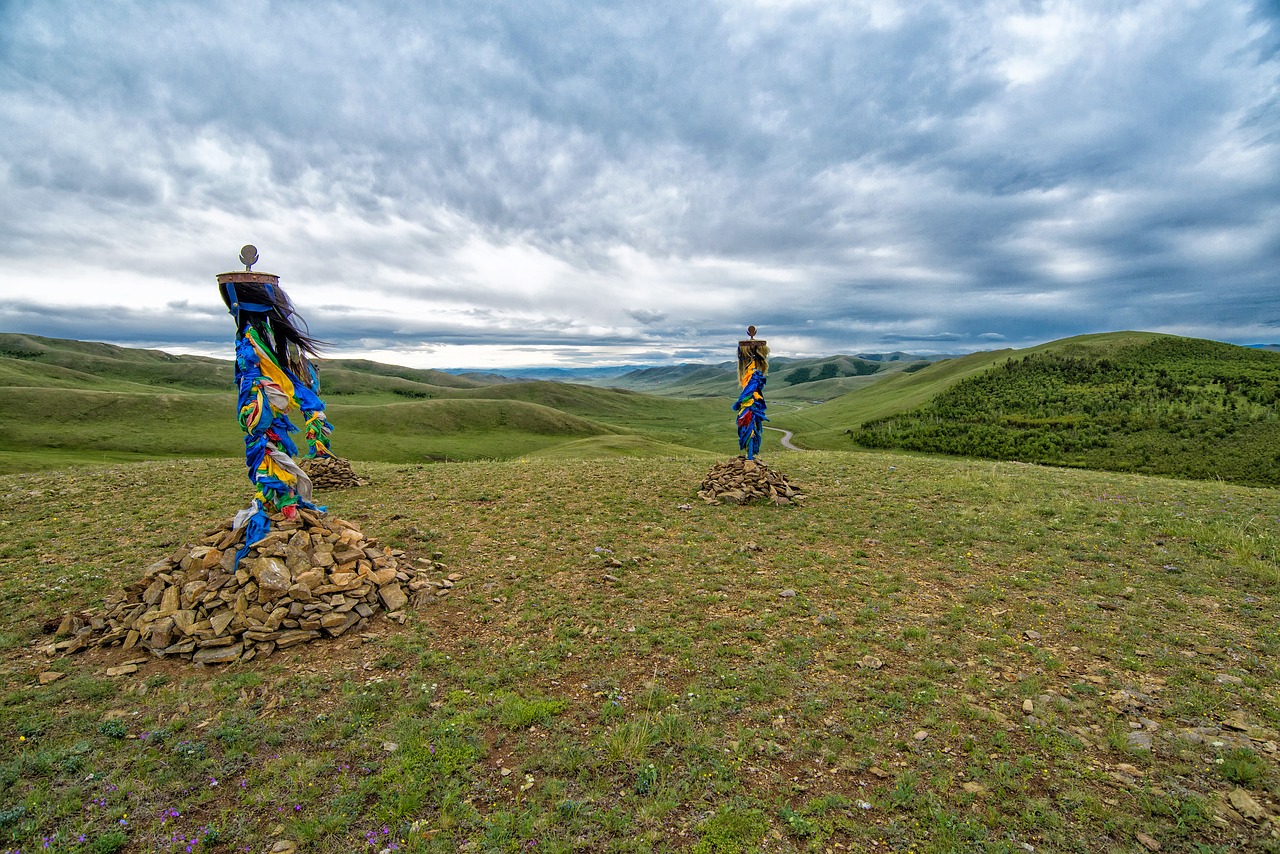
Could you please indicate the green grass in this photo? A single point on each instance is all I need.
(71, 402)
(1163, 405)
(680, 703)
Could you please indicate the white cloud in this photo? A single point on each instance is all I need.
(620, 181)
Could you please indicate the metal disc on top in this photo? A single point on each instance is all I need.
(248, 255)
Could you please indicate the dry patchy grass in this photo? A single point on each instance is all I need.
(618, 672)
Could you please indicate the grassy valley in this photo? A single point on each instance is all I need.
(75, 401)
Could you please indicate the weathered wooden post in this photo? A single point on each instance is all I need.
(273, 377)
(753, 368)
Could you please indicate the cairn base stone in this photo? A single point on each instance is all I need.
(741, 481)
(312, 577)
(331, 473)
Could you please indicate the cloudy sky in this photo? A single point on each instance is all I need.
(475, 184)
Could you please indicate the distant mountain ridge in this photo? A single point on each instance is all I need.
(809, 379)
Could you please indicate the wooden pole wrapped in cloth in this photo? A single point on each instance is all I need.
(273, 377)
(753, 367)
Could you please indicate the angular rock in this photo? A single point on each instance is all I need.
(1245, 804)
(392, 597)
(273, 579)
(218, 654)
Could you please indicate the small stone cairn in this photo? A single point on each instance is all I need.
(331, 473)
(741, 481)
(310, 578)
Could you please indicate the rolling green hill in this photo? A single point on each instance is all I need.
(1127, 401)
(791, 380)
(31, 360)
(1123, 402)
(72, 401)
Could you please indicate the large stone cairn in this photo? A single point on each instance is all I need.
(741, 481)
(314, 577)
(331, 473)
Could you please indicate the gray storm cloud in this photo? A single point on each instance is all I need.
(849, 175)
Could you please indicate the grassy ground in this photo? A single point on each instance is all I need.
(929, 655)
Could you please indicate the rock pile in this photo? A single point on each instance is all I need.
(741, 481)
(331, 473)
(313, 577)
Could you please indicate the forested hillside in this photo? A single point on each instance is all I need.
(1170, 406)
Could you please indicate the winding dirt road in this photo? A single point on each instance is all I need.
(786, 438)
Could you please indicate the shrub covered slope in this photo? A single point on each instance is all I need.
(1168, 406)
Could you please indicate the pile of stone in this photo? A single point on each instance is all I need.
(312, 577)
(741, 481)
(331, 473)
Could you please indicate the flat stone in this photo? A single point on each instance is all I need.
(1147, 842)
(273, 579)
(1139, 740)
(1245, 804)
(220, 622)
(393, 598)
(122, 670)
(50, 676)
(218, 654)
(296, 636)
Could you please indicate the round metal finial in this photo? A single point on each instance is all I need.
(248, 255)
(751, 331)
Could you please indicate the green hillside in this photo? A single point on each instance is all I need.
(1126, 401)
(793, 380)
(71, 402)
(1152, 404)
(359, 376)
(31, 360)
(827, 426)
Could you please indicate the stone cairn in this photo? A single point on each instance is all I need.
(741, 481)
(331, 473)
(313, 577)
